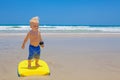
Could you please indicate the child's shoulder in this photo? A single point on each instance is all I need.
(29, 32)
(39, 32)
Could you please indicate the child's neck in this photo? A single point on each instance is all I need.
(34, 30)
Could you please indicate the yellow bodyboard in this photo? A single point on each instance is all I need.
(23, 69)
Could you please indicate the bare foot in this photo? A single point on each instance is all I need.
(29, 67)
(37, 65)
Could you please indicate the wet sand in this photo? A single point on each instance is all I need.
(81, 56)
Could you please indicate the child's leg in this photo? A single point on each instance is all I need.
(37, 56)
(36, 62)
(29, 63)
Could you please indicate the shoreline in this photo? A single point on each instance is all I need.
(67, 34)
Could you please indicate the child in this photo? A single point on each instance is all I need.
(35, 40)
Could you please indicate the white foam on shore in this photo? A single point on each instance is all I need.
(72, 29)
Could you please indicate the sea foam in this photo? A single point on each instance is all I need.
(71, 28)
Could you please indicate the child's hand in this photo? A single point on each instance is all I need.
(42, 46)
(23, 46)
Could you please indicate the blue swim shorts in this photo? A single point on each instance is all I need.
(34, 52)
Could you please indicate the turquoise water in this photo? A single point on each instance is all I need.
(21, 28)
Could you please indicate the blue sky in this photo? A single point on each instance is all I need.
(64, 12)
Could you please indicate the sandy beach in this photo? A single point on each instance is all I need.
(70, 56)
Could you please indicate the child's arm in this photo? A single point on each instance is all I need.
(41, 41)
(25, 40)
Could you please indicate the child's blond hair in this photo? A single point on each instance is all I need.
(34, 20)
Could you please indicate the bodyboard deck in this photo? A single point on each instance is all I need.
(24, 71)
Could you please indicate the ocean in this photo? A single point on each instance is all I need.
(23, 28)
